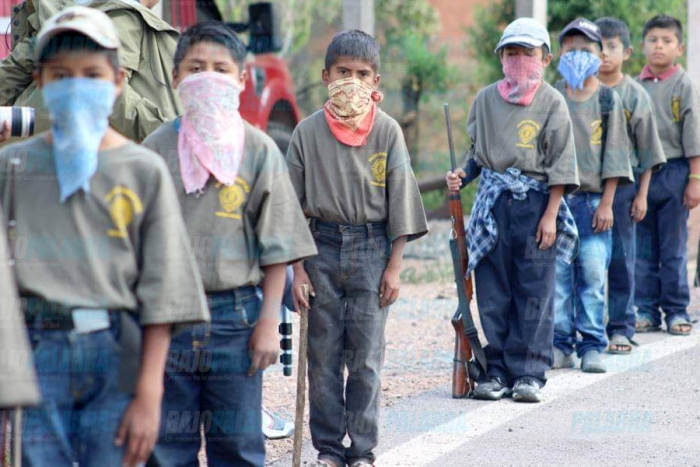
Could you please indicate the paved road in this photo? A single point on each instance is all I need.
(644, 411)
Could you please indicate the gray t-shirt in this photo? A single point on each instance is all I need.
(121, 246)
(594, 167)
(646, 151)
(677, 103)
(357, 185)
(17, 378)
(537, 139)
(237, 230)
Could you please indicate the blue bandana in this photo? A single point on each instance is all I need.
(576, 66)
(79, 110)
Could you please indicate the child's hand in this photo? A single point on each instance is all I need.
(264, 346)
(6, 133)
(139, 428)
(691, 197)
(547, 230)
(301, 278)
(639, 208)
(603, 218)
(389, 288)
(454, 179)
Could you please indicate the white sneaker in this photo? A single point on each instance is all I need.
(274, 427)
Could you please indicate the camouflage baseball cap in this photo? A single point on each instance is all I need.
(90, 22)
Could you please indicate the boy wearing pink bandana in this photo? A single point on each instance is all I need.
(523, 150)
(351, 170)
(245, 226)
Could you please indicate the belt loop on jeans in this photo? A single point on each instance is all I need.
(312, 224)
(369, 230)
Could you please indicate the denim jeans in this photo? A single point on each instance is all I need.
(346, 331)
(621, 316)
(82, 405)
(662, 275)
(207, 389)
(514, 290)
(579, 301)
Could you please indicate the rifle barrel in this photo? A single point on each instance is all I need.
(453, 158)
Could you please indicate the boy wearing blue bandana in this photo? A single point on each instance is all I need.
(523, 145)
(101, 252)
(602, 156)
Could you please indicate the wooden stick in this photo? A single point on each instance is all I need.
(301, 379)
(17, 437)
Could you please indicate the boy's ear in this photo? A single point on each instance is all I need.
(547, 59)
(37, 79)
(377, 79)
(325, 77)
(175, 80)
(243, 78)
(681, 48)
(627, 53)
(121, 75)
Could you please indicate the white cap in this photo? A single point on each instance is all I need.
(90, 22)
(526, 32)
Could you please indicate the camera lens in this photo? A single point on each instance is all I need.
(21, 120)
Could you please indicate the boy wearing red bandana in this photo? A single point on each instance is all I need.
(351, 170)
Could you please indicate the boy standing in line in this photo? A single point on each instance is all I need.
(661, 275)
(602, 155)
(523, 141)
(352, 172)
(630, 204)
(101, 250)
(245, 225)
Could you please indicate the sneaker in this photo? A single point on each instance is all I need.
(527, 390)
(561, 360)
(274, 427)
(592, 362)
(362, 463)
(491, 390)
(323, 462)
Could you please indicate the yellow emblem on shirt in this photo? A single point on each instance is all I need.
(378, 164)
(123, 204)
(527, 132)
(676, 108)
(597, 135)
(231, 198)
(628, 115)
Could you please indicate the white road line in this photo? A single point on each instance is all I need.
(430, 446)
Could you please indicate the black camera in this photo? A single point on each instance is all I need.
(21, 120)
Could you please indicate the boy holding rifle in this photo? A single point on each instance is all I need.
(523, 145)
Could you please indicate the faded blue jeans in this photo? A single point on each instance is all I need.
(579, 299)
(207, 389)
(82, 404)
(346, 331)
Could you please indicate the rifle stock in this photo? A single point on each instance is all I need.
(462, 382)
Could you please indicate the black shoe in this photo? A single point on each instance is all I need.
(491, 390)
(527, 390)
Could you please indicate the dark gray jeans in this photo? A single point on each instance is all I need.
(346, 330)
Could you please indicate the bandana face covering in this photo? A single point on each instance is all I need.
(351, 109)
(212, 135)
(577, 66)
(523, 76)
(79, 109)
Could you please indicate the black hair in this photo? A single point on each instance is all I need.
(664, 22)
(611, 28)
(354, 44)
(71, 41)
(210, 31)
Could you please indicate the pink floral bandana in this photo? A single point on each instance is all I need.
(523, 76)
(212, 135)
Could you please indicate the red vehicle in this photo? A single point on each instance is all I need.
(268, 101)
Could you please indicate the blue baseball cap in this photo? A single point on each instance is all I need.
(525, 32)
